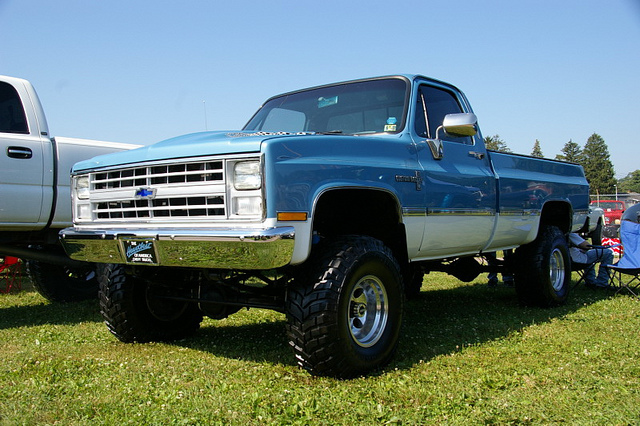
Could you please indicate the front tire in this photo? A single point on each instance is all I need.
(543, 273)
(133, 312)
(58, 283)
(344, 318)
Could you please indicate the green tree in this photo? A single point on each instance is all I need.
(537, 151)
(597, 165)
(495, 143)
(630, 183)
(571, 152)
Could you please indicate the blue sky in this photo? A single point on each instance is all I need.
(143, 71)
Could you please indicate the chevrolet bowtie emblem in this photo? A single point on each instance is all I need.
(145, 193)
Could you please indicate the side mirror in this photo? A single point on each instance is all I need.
(464, 124)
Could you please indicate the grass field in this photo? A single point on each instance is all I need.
(468, 355)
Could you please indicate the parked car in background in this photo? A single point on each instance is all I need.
(613, 210)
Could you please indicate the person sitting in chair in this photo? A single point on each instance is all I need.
(582, 252)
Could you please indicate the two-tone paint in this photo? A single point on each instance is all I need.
(451, 198)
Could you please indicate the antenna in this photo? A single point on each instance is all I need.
(206, 126)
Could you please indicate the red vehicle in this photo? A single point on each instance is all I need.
(613, 210)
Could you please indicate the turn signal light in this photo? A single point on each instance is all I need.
(292, 216)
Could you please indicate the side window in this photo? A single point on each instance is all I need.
(438, 103)
(12, 117)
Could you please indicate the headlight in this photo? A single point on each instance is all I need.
(246, 175)
(83, 212)
(244, 206)
(82, 187)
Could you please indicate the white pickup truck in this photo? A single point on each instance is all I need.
(35, 198)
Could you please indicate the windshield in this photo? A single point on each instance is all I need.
(611, 205)
(364, 107)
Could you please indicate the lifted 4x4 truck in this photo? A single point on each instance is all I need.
(330, 205)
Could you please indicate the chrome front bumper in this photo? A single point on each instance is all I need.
(256, 249)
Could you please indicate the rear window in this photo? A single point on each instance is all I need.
(12, 116)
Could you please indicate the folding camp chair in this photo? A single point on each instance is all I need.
(583, 268)
(583, 262)
(625, 275)
(10, 274)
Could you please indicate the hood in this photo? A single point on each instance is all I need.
(192, 145)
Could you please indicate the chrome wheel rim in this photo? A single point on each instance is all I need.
(368, 311)
(556, 270)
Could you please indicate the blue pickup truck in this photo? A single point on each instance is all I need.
(330, 205)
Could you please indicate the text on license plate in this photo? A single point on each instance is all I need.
(140, 251)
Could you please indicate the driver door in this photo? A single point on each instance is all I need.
(460, 186)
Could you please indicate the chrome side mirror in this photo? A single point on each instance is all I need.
(464, 124)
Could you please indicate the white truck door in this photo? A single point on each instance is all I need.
(22, 156)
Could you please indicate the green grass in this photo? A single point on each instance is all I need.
(468, 355)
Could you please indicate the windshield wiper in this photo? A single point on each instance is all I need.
(330, 132)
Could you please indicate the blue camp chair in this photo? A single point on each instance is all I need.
(625, 275)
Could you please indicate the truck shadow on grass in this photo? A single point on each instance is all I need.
(445, 321)
(260, 342)
(438, 322)
(49, 313)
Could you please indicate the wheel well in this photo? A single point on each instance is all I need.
(556, 213)
(369, 212)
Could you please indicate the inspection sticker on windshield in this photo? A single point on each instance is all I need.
(325, 102)
(140, 251)
(391, 124)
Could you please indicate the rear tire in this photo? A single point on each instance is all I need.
(133, 314)
(413, 279)
(543, 272)
(596, 235)
(344, 318)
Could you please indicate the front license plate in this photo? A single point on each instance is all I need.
(140, 251)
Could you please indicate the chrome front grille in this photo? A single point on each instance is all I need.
(162, 208)
(160, 192)
(166, 174)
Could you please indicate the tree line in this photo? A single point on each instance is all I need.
(593, 157)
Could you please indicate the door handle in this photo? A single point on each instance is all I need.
(19, 152)
(477, 155)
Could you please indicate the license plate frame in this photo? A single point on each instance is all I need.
(140, 251)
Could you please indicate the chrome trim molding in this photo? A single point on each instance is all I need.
(195, 248)
(461, 212)
(413, 211)
(525, 212)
